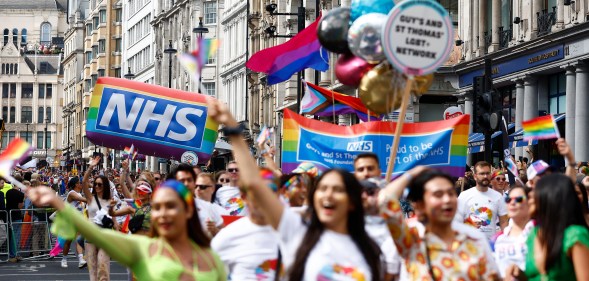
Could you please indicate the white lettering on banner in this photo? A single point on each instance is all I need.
(359, 146)
(182, 120)
(164, 119)
(117, 103)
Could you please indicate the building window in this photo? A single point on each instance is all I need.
(48, 142)
(88, 29)
(102, 16)
(6, 31)
(9, 90)
(557, 93)
(40, 139)
(45, 33)
(41, 91)
(12, 118)
(118, 72)
(5, 88)
(117, 44)
(40, 115)
(48, 90)
(88, 58)
(48, 114)
(101, 46)
(212, 59)
(5, 113)
(96, 22)
(209, 89)
(15, 36)
(23, 40)
(101, 73)
(27, 90)
(210, 12)
(26, 114)
(4, 139)
(27, 136)
(11, 136)
(118, 15)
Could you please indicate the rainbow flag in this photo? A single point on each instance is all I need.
(540, 128)
(282, 61)
(441, 145)
(17, 150)
(130, 152)
(323, 102)
(194, 61)
(135, 203)
(125, 226)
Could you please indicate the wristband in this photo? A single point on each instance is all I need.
(232, 131)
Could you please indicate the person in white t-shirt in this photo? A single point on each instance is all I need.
(229, 196)
(209, 218)
(249, 246)
(333, 244)
(510, 246)
(482, 206)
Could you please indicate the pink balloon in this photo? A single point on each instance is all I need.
(350, 69)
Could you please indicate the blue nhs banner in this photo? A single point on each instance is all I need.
(158, 120)
(331, 151)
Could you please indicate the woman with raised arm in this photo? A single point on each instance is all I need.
(97, 202)
(330, 246)
(178, 248)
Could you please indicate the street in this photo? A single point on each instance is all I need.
(50, 269)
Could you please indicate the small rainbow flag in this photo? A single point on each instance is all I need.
(540, 128)
(125, 226)
(135, 203)
(194, 61)
(16, 150)
(131, 152)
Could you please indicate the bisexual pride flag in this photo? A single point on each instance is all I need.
(441, 145)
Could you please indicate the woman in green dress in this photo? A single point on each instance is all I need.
(177, 249)
(558, 247)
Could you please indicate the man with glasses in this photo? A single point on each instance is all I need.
(229, 197)
(209, 218)
(482, 206)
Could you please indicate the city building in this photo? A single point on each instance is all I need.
(538, 51)
(102, 45)
(176, 26)
(32, 75)
(73, 66)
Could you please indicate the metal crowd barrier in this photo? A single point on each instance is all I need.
(4, 242)
(31, 238)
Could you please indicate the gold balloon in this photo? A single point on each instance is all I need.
(421, 84)
(381, 89)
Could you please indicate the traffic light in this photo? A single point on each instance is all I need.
(484, 103)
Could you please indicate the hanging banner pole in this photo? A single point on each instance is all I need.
(399, 128)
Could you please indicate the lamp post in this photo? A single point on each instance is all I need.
(67, 114)
(170, 51)
(200, 30)
(129, 75)
(46, 146)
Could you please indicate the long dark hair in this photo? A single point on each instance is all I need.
(195, 231)
(105, 187)
(584, 206)
(552, 192)
(365, 244)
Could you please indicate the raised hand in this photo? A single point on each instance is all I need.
(219, 112)
(44, 196)
(94, 161)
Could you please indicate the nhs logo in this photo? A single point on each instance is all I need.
(150, 118)
(364, 146)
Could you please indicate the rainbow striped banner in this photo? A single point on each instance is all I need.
(157, 121)
(440, 145)
(540, 128)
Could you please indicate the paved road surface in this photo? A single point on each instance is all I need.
(50, 270)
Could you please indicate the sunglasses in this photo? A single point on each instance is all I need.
(97, 184)
(233, 170)
(157, 179)
(518, 199)
(224, 180)
(499, 179)
(202, 186)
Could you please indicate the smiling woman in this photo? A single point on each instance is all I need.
(177, 250)
(333, 243)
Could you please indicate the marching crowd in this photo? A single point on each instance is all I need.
(255, 223)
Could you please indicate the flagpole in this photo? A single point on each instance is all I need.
(399, 128)
(368, 115)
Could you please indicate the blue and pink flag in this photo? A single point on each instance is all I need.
(282, 61)
(324, 102)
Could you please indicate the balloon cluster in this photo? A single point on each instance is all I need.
(355, 34)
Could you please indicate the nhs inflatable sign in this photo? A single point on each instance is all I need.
(158, 121)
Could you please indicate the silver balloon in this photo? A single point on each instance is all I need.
(364, 37)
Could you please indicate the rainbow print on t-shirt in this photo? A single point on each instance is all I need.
(339, 272)
(480, 217)
(267, 270)
(235, 206)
